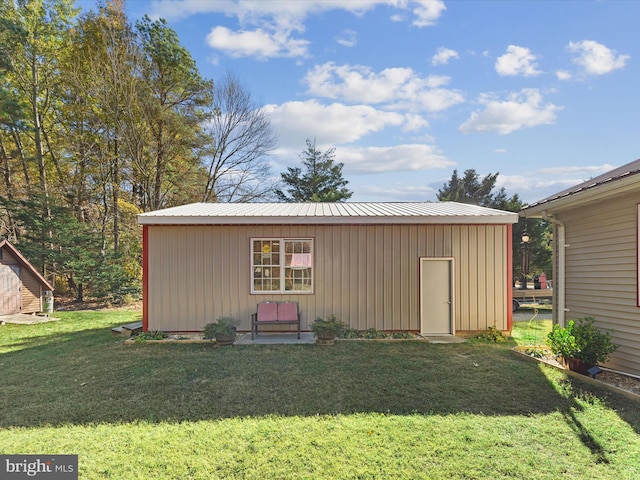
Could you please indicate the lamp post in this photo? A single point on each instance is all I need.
(525, 259)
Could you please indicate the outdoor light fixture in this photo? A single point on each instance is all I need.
(593, 371)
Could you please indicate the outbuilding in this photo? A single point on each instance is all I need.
(22, 287)
(595, 249)
(433, 268)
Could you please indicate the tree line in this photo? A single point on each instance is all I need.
(102, 119)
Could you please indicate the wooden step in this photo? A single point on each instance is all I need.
(128, 329)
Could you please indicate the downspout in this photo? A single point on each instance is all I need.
(560, 285)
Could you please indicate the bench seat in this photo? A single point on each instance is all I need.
(274, 313)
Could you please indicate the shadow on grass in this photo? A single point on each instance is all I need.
(89, 377)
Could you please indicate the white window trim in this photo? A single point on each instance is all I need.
(282, 290)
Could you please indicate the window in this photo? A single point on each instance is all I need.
(281, 265)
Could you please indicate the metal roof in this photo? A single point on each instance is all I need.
(614, 182)
(326, 213)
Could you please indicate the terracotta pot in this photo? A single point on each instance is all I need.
(325, 338)
(225, 339)
(578, 366)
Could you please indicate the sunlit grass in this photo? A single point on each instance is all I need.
(353, 410)
(532, 332)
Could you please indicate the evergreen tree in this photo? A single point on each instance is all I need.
(471, 189)
(321, 180)
(468, 189)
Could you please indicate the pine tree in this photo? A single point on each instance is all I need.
(321, 180)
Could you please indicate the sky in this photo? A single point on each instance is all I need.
(545, 93)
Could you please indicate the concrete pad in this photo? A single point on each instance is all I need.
(24, 319)
(277, 339)
(444, 339)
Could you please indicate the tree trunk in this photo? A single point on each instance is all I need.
(25, 169)
(6, 170)
(115, 178)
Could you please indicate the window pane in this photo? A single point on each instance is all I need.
(282, 265)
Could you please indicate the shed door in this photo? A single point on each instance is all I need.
(436, 300)
(10, 296)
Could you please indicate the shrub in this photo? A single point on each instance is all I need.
(222, 327)
(144, 336)
(492, 335)
(581, 340)
(329, 327)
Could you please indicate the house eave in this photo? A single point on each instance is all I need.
(206, 220)
(583, 197)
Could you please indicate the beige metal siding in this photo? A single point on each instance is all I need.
(368, 275)
(601, 273)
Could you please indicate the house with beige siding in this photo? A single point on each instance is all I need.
(22, 288)
(596, 231)
(433, 268)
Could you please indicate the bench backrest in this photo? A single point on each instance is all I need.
(272, 312)
(287, 311)
(267, 312)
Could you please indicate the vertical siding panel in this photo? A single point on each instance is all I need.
(387, 277)
(460, 235)
(483, 261)
(491, 276)
(412, 288)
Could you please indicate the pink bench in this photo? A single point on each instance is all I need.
(272, 313)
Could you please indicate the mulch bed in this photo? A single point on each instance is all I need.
(618, 380)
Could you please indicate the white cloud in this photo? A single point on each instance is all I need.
(395, 87)
(333, 124)
(396, 192)
(517, 61)
(258, 43)
(348, 38)
(563, 75)
(443, 55)
(391, 159)
(582, 172)
(534, 185)
(427, 12)
(595, 58)
(520, 110)
(273, 21)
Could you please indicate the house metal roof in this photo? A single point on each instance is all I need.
(327, 213)
(614, 182)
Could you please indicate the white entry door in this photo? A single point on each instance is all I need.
(436, 297)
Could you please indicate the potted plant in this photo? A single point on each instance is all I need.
(327, 330)
(581, 344)
(223, 330)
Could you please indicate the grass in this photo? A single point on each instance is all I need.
(533, 332)
(353, 410)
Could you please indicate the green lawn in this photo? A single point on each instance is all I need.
(354, 410)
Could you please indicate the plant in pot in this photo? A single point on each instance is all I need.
(581, 344)
(223, 330)
(327, 330)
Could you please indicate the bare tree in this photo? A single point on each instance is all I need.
(241, 140)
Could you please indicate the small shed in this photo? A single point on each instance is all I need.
(595, 249)
(433, 268)
(22, 287)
